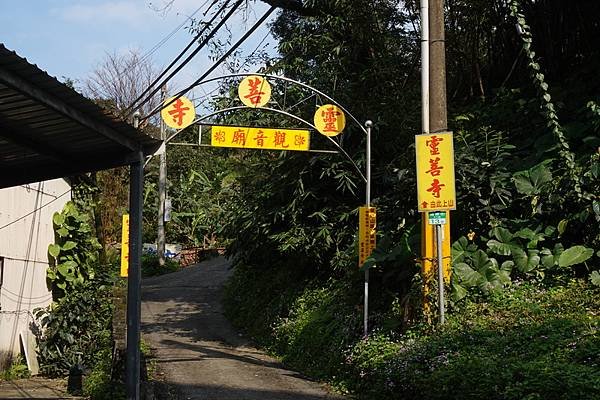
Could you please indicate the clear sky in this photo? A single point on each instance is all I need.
(69, 38)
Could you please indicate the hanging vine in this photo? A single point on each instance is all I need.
(566, 155)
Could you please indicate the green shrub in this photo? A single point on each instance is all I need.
(98, 384)
(16, 370)
(319, 326)
(151, 267)
(74, 257)
(254, 303)
(533, 343)
(74, 327)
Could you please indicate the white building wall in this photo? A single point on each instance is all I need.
(24, 249)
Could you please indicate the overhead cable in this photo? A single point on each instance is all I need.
(146, 55)
(34, 211)
(154, 87)
(216, 64)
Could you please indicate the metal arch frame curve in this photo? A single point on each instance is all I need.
(236, 108)
(283, 78)
(367, 132)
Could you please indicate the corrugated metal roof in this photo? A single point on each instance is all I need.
(48, 130)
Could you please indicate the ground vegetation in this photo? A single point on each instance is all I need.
(525, 116)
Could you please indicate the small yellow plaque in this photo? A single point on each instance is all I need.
(366, 233)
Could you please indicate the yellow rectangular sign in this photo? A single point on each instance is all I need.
(366, 233)
(435, 172)
(260, 138)
(125, 246)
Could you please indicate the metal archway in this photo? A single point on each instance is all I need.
(225, 110)
(366, 129)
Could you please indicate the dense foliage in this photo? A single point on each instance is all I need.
(531, 341)
(74, 334)
(77, 324)
(74, 256)
(524, 111)
(523, 105)
(528, 343)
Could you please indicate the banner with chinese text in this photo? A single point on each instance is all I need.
(435, 172)
(260, 138)
(366, 233)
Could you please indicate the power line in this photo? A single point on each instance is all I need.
(154, 85)
(189, 58)
(216, 64)
(34, 211)
(173, 32)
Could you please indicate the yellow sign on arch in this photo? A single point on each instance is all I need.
(254, 91)
(330, 120)
(179, 114)
(260, 138)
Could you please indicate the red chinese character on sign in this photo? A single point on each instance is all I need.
(178, 112)
(330, 118)
(434, 168)
(299, 140)
(220, 136)
(239, 137)
(255, 94)
(436, 188)
(280, 139)
(424, 204)
(260, 138)
(433, 144)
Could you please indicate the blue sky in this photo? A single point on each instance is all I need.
(69, 38)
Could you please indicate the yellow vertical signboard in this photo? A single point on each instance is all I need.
(125, 246)
(435, 192)
(435, 172)
(366, 233)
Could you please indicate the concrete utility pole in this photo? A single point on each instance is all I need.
(438, 118)
(162, 189)
(438, 122)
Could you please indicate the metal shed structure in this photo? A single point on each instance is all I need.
(47, 130)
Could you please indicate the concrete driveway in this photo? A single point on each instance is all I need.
(200, 354)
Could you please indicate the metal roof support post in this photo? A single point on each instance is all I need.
(136, 189)
(134, 283)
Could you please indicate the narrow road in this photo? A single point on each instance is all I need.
(201, 355)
